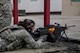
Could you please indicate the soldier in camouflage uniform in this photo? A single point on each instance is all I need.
(5, 13)
(16, 37)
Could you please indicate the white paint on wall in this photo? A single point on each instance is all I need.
(38, 5)
(55, 5)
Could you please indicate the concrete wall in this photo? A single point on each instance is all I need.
(38, 5)
(70, 8)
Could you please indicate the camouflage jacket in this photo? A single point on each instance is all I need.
(5, 13)
(16, 37)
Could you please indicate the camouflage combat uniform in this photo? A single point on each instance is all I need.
(14, 37)
(5, 13)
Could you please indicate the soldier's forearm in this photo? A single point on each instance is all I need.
(35, 44)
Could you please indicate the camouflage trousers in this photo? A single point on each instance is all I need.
(5, 13)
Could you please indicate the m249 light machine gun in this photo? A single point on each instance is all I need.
(54, 32)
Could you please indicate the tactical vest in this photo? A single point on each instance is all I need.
(9, 32)
(12, 34)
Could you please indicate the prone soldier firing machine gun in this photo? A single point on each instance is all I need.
(53, 32)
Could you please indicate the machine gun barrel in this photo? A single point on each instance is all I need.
(66, 27)
(72, 26)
